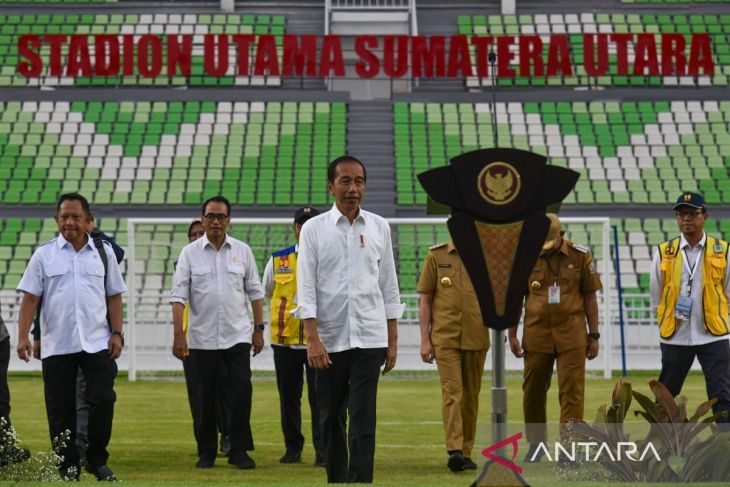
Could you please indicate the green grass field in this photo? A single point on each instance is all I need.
(153, 444)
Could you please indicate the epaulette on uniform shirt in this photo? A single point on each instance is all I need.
(438, 246)
(579, 247)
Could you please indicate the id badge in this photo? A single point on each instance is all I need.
(554, 294)
(684, 308)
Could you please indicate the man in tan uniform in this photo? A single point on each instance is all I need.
(452, 332)
(561, 300)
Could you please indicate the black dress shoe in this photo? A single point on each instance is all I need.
(468, 464)
(456, 461)
(319, 460)
(533, 454)
(102, 473)
(205, 463)
(291, 457)
(69, 473)
(241, 460)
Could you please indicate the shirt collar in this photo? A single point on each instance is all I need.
(450, 247)
(61, 242)
(336, 215)
(701, 244)
(206, 242)
(564, 246)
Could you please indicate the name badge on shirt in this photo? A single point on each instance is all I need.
(554, 294)
(684, 308)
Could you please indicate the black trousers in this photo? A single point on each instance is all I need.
(59, 381)
(714, 358)
(4, 390)
(349, 385)
(289, 364)
(82, 411)
(223, 406)
(205, 380)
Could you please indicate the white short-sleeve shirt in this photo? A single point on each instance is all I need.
(217, 286)
(74, 305)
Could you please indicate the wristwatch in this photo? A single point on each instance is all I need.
(259, 327)
(594, 336)
(120, 334)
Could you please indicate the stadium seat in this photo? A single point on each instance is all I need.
(626, 152)
(158, 153)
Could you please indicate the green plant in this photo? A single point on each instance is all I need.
(677, 438)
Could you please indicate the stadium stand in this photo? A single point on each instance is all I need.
(168, 153)
(13, 26)
(158, 147)
(577, 24)
(626, 152)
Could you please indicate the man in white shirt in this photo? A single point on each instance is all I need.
(290, 347)
(349, 301)
(690, 290)
(216, 277)
(77, 294)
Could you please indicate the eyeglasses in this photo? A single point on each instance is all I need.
(211, 217)
(688, 213)
(73, 217)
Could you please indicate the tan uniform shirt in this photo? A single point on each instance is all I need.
(559, 327)
(456, 321)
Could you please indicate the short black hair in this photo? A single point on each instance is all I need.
(192, 224)
(74, 197)
(218, 199)
(331, 169)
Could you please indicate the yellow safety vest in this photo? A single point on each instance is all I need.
(285, 329)
(714, 300)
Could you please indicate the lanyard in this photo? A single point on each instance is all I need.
(556, 276)
(691, 270)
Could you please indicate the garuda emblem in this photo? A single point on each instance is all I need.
(499, 183)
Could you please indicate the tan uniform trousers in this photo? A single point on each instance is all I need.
(461, 380)
(537, 377)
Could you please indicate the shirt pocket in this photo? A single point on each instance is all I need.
(201, 277)
(447, 281)
(95, 270)
(570, 279)
(236, 274)
(718, 268)
(538, 276)
(284, 280)
(373, 250)
(56, 270)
